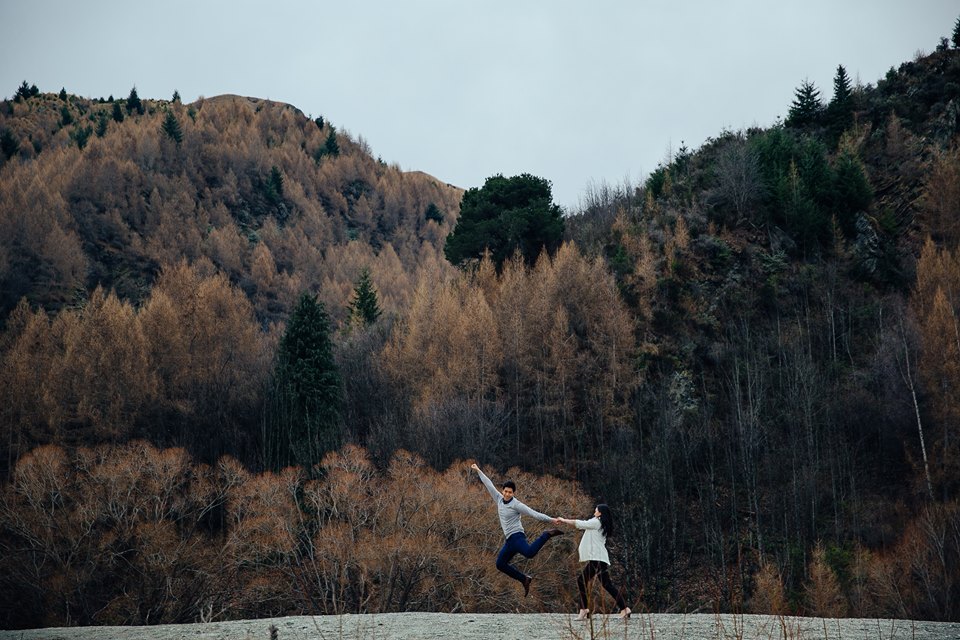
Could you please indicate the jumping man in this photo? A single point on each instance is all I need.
(510, 509)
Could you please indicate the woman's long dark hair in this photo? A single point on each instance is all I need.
(606, 520)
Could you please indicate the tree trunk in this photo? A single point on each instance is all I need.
(908, 378)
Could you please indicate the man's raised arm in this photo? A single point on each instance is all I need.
(487, 483)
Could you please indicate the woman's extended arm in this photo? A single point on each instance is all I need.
(592, 523)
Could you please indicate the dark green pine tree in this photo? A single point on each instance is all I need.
(23, 93)
(63, 93)
(806, 108)
(364, 307)
(304, 410)
(81, 135)
(117, 112)
(9, 145)
(331, 147)
(506, 215)
(851, 193)
(840, 109)
(956, 34)
(134, 103)
(176, 96)
(102, 122)
(433, 213)
(273, 189)
(171, 127)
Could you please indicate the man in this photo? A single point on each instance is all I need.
(510, 509)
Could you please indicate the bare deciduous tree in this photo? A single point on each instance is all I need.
(738, 177)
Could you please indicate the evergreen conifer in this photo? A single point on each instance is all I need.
(274, 188)
(433, 213)
(851, 193)
(331, 147)
(171, 127)
(840, 109)
(504, 216)
(364, 307)
(303, 420)
(81, 135)
(9, 145)
(102, 122)
(23, 92)
(117, 112)
(806, 108)
(134, 103)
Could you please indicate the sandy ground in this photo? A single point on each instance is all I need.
(552, 626)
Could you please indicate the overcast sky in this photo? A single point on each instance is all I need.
(575, 92)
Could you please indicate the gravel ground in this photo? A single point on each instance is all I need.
(491, 626)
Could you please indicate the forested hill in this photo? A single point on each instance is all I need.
(110, 192)
(752, 356)
(797, 297)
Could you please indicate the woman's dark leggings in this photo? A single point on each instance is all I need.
(593, 569)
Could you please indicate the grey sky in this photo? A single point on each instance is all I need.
(576, 92)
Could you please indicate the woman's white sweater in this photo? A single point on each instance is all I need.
(593, 544)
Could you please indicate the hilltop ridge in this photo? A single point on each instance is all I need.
(227, 179)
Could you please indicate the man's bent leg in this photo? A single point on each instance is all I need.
(516, 542)
(530, 550)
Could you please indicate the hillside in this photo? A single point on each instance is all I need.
(752, 357)
(99, 193)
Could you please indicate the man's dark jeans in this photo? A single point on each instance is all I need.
(517, 543)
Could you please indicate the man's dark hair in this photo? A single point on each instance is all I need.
(509, 484)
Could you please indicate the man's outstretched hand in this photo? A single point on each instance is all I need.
(475, 467)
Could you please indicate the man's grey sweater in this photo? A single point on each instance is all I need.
(510, 512)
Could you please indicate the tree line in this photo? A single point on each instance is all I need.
(133, 534)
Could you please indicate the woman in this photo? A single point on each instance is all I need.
(593, 551)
